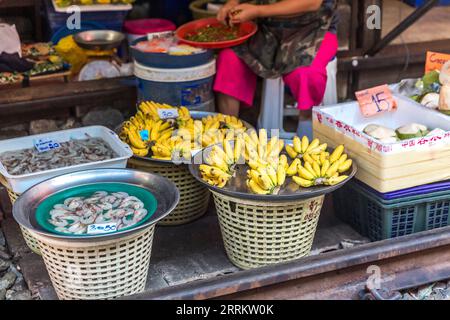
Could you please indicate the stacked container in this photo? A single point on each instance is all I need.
(399, 191)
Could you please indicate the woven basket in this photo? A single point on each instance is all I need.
(257, 234)
(98, 270)
(194, 197)
(29, 239)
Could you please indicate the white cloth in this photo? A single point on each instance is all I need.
(9, 39)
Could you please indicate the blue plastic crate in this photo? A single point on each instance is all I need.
(378, 219)
(112, 20)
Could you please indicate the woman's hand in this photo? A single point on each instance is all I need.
(244, 12)
(224, 12)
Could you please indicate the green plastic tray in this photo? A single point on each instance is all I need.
(43, 210)
(374, 218)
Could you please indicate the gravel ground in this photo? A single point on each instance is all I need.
(435, 291)
(12, 284)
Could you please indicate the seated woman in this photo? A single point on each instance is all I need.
(295, 40)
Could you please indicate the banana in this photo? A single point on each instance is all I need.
(136, 140)
(345, 166)
(229, 151)
(307, 157)
(336, 154)
(283, 162)
(309, 167)
(325, 167)
(305, 144)
(139, 152)
(332, 170)
(297, 145)
(304, 173)
(291, 152)
(313, 145)
(281, 175)
(272, 173)
(263, 137)
(316, 168)
(335, 180)
(255, 188)
(293, 168)
(303, 182)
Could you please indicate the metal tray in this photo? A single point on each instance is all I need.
(237, 186)
(165, 192)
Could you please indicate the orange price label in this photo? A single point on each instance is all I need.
(435, 61)
(376, 100)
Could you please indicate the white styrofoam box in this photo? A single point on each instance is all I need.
(347, 118)
(20, 183)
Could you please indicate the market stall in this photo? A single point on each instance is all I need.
(179, 201)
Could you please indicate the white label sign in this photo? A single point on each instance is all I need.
(101, 228)
(45, 144)
(168, 113)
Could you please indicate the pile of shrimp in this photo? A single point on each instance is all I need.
(70, 153)
(77, 213)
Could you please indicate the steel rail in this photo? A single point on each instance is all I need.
(418, 259)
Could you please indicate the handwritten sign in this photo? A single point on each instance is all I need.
(168, 113)
(376, 100)
(144, 135)
(435, 61)
(45, 144)
(101, 228)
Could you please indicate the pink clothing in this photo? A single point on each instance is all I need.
(234, 78)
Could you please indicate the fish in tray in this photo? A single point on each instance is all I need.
(70, 153)
(75, 214)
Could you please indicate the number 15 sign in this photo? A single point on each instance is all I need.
(376, 100)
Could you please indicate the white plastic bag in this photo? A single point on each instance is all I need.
(9, 39)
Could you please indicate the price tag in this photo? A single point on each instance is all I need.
(101, 228)
(376, 100)
(144, 135)
(435, 61)
(45, 144)
(168, 113)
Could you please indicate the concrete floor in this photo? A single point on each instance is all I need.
(435, 25)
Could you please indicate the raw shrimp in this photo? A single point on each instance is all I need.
(75, 214)
(70, 153)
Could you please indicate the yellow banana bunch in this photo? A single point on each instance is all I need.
(321, 169)
(259, 149)
(265, 179)
(214, 175)
(302, 146)
(174, 148)
(146, 131)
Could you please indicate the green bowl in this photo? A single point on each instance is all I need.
(44, 208)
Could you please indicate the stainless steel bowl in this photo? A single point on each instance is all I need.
(99, 39)
(165, 192)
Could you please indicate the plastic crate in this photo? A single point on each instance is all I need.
(380, 219)
(111, 20)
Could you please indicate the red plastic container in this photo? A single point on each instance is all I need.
(143, 26)
(246, 30)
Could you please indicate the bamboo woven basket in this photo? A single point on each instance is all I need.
(29, 239)
(257, 233)
(194, 197)
(97, 270)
